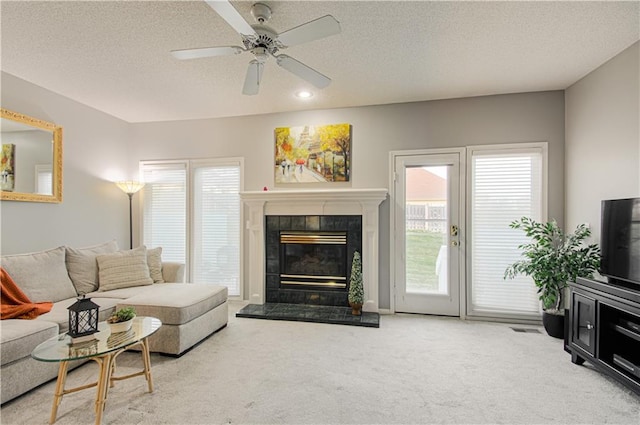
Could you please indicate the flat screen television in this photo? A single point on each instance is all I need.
(620, 240)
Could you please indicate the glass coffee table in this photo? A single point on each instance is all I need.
(103, 350)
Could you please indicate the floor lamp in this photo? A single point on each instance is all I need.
(130, 188)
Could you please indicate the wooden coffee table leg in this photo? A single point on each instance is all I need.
(57, 397)
(146, 358)
(103, 385)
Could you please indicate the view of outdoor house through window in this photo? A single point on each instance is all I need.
(209, 243)
(426, 227)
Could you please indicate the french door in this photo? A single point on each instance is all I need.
(429, 228)
(192, 209)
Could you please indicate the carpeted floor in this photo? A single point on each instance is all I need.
(413, 369)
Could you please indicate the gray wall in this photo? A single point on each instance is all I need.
(31, 148)
(527, 117)
(99, 149)
(602, 138)
(93, 210)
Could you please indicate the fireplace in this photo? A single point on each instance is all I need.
(269, 212)
(309, 258)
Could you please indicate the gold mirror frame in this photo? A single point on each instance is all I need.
(56, 168)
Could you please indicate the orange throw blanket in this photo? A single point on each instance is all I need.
(15, 304)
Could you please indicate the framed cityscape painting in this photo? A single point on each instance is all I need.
(313, 154)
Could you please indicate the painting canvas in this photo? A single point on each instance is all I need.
(7, 167)
(313, 154)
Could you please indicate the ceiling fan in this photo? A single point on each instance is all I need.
(262, 42)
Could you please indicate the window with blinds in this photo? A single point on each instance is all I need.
(44, 179)
(207, 192)
(505, 185)
(164, 209)
(216, 226)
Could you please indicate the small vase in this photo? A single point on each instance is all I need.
(121, 326)
(356, 308)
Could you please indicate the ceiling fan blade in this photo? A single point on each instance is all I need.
(313, 30)
(206, 52)
(252, 80)
(232, 16)
(303, 71)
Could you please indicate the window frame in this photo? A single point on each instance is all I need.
(190, 166)
(511, 148)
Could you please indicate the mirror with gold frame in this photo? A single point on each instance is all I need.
(31, 159)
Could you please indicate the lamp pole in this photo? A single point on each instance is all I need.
(130, 220)
(130, 188)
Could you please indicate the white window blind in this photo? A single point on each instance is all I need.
(216, 226)
(165, 209)
(192, 210)
(505, 186)
(44, 179)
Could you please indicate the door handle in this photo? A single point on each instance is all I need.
(454, 230)
(454, 243)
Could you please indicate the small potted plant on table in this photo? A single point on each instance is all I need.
(122, 319)
(552, 259)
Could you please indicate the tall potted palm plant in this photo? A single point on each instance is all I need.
(553, 258)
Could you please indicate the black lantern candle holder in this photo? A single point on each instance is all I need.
(83, 319)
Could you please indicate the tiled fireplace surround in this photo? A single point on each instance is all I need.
(305, 224)
(310, 210)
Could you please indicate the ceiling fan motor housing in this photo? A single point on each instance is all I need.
(267, 40)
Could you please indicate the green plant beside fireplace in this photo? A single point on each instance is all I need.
(356, 290)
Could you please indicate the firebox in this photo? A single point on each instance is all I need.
(308, 258)
(313, 258)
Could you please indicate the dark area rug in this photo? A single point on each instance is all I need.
(309, 313)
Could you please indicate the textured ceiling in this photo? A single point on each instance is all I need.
(114, 56)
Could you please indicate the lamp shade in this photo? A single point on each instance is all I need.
(130, 187)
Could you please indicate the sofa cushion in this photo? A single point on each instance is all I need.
(123, 269)
(42, 276)
(177, 303)
(154, 261)
(121, 293)
(19, 337)
(59, 314)
(83, 267)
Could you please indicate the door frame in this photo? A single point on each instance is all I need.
(393, 155)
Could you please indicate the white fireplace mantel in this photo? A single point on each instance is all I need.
(364, 202)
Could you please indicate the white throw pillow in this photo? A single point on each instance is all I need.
(123, 269)
(83, 267)
(42, 276)
(154, 261)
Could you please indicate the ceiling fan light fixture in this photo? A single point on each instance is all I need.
(304, 94)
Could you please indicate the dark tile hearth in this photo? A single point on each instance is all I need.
(309, 313)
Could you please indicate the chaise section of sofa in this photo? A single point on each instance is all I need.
(190, 312)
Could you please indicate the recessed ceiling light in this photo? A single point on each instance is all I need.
(303, 94)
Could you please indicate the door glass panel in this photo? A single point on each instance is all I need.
(426, 212)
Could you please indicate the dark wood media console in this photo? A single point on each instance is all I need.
(605, 329)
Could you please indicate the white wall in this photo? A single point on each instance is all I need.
(93, 210)
(602, 138)
(513, 118)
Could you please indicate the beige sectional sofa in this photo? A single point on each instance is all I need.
(112, 279)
